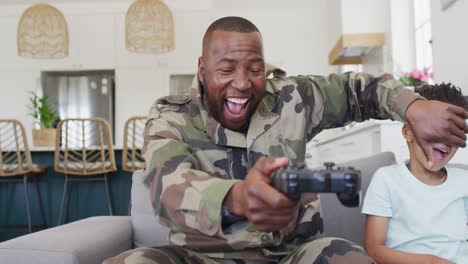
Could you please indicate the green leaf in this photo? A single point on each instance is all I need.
(43, 113)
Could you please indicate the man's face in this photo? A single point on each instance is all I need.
(232, 72)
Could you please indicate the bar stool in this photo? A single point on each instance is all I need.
(16, 165)
(132, 158)
(84, 152)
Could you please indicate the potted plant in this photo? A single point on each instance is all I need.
(417, 77)
(45, 117)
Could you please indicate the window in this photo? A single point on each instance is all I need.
(423, 33)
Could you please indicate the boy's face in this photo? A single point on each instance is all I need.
(442, 153)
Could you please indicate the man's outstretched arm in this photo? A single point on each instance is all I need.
(343, 98)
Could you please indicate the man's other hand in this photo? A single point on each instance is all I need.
(434, 121)
(254, 198)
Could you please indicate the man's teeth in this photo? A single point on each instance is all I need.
(237, 100)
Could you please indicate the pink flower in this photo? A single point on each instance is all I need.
(417, 74)
(424, 78)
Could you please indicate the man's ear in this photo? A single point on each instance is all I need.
(201, 70)
(407, 133)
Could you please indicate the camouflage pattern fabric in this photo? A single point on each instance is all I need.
(319, 251)
(192, 160)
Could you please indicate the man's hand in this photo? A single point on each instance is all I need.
(254, 197)
(434, 121)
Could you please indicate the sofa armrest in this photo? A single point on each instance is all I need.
(90, 240)
(348, 222)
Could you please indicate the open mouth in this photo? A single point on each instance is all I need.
(440, 153)
(236, 106)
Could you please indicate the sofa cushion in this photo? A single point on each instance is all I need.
(147, 232)
(346, 222)
(90, 240)
(460, 166)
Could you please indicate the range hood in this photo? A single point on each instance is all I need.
(351, 48)
(355, 27)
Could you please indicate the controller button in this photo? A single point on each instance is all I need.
(292, 176)
(265, 238)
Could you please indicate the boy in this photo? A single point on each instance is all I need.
(416, 214)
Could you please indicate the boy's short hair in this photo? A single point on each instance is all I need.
(445, 92)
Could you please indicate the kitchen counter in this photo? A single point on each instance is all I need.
(85, 198)
(52, 149)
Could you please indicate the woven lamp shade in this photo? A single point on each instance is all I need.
(149, 27)
(43, 33)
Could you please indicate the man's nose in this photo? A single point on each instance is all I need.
(241, 81)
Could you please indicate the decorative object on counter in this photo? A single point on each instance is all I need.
(16, 165)
(417, 77)
(43, 33)
(84, 152)
(149, 27)
(132, 158)
(46, 117)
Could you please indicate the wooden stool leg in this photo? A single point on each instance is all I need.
(26, 197)
(68, 200)
(38, 190)
(109, 201)
(64, 195)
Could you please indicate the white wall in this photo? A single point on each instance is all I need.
(295, 38)
(397, 56)
(402, 35)
(450, 42)
(334, 22)
(364, 16)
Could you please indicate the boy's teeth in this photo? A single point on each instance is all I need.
(237, 100)
(441, 150)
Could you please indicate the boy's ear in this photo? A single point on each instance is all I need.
(407, 133)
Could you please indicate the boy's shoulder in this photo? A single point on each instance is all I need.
(388, 175)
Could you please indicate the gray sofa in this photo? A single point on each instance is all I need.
(94, 239)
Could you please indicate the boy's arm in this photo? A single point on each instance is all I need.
(375, 236)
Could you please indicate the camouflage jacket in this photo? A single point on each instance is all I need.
(192, 160)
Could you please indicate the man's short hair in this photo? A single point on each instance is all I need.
(230, 23)
(445, 92)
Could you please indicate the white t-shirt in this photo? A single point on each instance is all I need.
(424, 219)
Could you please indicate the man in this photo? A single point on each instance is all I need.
(209, 155)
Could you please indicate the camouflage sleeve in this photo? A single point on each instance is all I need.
(183, 197)
(339, 99)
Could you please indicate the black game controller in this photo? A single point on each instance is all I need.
(345, 182)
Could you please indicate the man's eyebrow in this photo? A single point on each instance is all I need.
(226, 60)
(253, 60)
(258, 59)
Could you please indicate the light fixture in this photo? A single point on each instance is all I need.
(149, 27)
(43, 33)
